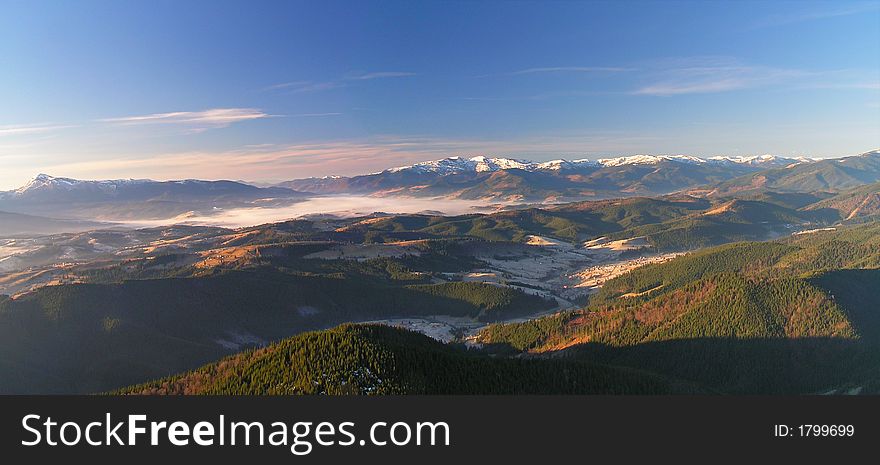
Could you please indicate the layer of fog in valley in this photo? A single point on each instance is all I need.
(339, 206)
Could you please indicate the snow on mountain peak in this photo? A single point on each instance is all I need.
(648, 160)
(562, 164)
(45, 182)
(454, 165)
(481, 163)
(42, 181)
(746, 160)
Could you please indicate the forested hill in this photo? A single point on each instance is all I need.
(796, 316)
(373, 359)
(84, 338)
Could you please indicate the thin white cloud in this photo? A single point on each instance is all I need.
(869, 85)
(287, 85)
(195, 120)
(690, 75)
(542, 96)
(571, 69)
(812, 15)
(379, 75)
(19, 129)
(701, 75)
(684, 87)
(318, 86)
(314, 115)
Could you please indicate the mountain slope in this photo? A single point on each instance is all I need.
(823, 175)
(371, 359)
(854, 204)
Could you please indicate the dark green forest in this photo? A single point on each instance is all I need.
(373, 359)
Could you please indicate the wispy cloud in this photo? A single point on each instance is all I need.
(195, 121)
(314, 115)
(560, 70)
(686, 75)
(711, 74)
(543, 96)
(816, 14)
(318, 86)
(861, 85)
(703, 75)
(690, 86)
(18, 129)
(570, 69)
(287, 85)
(379, 75)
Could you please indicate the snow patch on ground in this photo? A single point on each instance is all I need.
(236, 341)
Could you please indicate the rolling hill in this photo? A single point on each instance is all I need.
(377, 360)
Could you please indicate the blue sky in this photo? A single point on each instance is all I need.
(267, 91)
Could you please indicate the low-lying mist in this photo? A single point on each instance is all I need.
(341, 206)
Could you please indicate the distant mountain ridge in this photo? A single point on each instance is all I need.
(122, 199)
(508, 179)
(478, 179)
(49, 187)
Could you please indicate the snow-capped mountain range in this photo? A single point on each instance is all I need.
(511, 179)
(457, 164)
